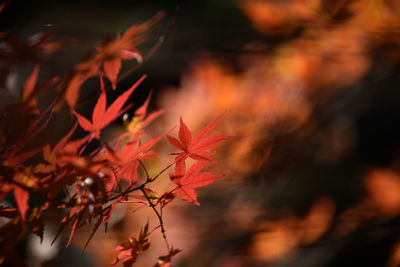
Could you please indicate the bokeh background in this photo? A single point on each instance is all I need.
(311, 90)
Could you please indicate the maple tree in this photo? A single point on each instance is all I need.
(102, 178)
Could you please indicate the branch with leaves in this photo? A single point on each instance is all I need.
(101, 178)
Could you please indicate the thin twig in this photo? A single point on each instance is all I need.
(145, 169)
(127, 192)
(140, 187)
(166, 168)
(158, 216)
(85, 145)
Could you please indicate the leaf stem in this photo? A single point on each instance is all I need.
(140, 187)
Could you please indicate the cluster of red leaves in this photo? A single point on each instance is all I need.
(196, 149)
(29, 170)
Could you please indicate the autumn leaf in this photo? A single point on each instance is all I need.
(103, 116)
(192, 179)
(129, 251)
(119, 48)
(17, 160)
(196, 147)
(165, 261)
(28, 91)
(82, 72)
(109, 55)
(111, 68)
(21, 198)
(123, 47)
(140, 120)
(64, 152)
(127, 160)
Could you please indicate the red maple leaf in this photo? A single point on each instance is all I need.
(192, 179)
(129, 251)
(83, 71)
(21, 198)
(139, 121)
(123, 46)
(127, 159)
(196, 147)
(28, 91)
(21, 195)
(101, 116)
(50, 156)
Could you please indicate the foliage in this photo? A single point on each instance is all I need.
(33, 173)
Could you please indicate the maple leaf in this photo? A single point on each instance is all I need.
(193, 178)
(139, 120)
(129, 251)
(165, 261)
(127, 159)
(21, 198)
(21, 195)
(101, 116)
(86, 206)
(50, 156)
(123, 46)
(196, 147)
(28, 91)
(82, 72)
(17, 160)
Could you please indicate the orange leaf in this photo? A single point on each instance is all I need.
(21, 198)
(197, 147)
(111, 68)
(28, 91)
(192, 179)
(101, 116)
